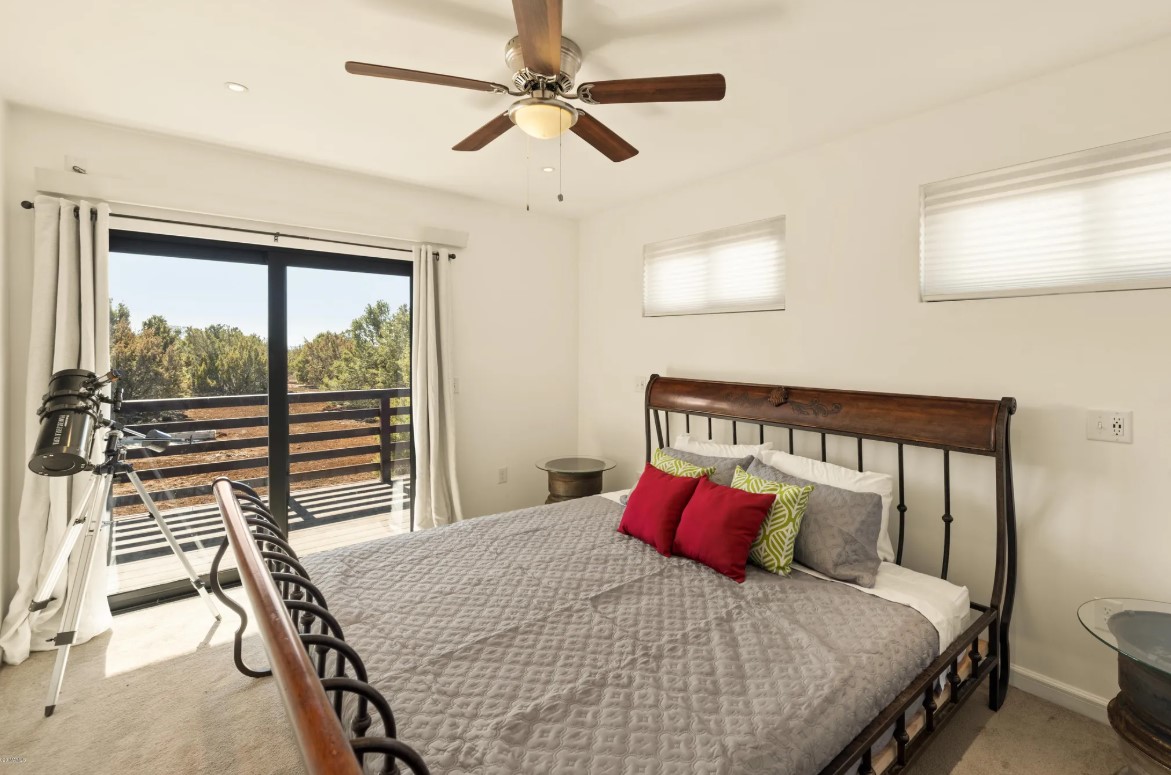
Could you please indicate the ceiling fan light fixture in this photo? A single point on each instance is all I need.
(543, 119)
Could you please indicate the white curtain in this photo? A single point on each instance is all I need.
(432, 407)
(69, 330)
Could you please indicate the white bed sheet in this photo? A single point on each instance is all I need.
(945, 605)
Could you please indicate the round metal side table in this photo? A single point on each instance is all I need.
(574, 476)
(1140, 631)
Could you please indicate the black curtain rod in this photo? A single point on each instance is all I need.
(276, 235)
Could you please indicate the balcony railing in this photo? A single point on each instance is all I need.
(388, 420)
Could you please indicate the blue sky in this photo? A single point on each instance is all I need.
(191, 292)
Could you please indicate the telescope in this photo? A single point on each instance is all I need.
(71, 412)
(71, 416)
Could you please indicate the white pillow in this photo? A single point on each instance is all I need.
(847, 479)
(688, 444)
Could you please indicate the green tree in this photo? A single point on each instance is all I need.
(379, 355)
(222, 360)
(313, 361)
(151, 360)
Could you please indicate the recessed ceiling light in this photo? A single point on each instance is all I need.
(548, 169)
(236, 87)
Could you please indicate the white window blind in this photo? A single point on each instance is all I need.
(735, 269)
(1088, 221)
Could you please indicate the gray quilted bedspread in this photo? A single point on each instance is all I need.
(542, 641)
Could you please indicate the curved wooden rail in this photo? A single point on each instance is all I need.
(324, 746)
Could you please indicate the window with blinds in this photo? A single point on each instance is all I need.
(735, 269)
(1089, 221)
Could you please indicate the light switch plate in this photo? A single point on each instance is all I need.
(1110, 425)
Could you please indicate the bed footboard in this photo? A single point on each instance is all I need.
(309, 659)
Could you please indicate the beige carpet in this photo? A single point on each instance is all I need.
(160, 694)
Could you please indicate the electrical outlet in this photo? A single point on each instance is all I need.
(455, 385)
(502, 475)
(640, 384)
(1110, 425)
(1106, 609)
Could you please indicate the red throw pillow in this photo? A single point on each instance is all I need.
(655, 506)
(719, 525)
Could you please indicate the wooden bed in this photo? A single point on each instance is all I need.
(314, 667)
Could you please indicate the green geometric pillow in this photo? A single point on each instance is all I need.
(773, 548)
(676, 467)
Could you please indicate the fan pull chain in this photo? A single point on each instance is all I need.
(528, 172)
(560, 168)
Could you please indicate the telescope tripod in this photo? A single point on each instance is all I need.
(85, 526)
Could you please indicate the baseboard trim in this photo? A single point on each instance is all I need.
(1058, 693)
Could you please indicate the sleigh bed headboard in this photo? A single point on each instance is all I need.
(952, 425)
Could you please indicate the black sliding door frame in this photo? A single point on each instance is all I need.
(278, 261)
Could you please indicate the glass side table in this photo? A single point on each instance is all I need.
(1140, 631)
(574, 476)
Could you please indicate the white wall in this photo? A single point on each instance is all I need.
(1094, 517)
(515, 285)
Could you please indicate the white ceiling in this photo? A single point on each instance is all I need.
(799, 71)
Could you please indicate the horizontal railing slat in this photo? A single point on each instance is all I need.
(258, 399)
(338, 414)
(254, 441)
(224, 423)
(198, 447)
(219, 423)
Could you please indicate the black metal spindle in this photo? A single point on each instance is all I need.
(902, 507)
(790, 441)
(687, 423)
(733, 431)
(953, 678)
(762, 434)
(865, 767)
(668, 425)
(902, 738)
(975, 655)
(709, 429)
(860, 453)
(345, 656)
(929, 706)
(823, 456)
(947, 518)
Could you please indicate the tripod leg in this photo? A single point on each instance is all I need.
(44, 594)
(196, 581)
(75, 593)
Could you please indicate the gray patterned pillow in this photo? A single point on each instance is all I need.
(839, 534)
(725, 466)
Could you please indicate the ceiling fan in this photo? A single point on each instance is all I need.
(545, 65)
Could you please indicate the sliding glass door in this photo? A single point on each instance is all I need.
(289, 370)
(349, 373)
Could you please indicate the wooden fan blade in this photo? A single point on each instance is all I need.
(539, 24)
(419, 76)
(603, 138)
(485, 134)
(673, 88)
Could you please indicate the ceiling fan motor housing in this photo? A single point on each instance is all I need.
(526, 80)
